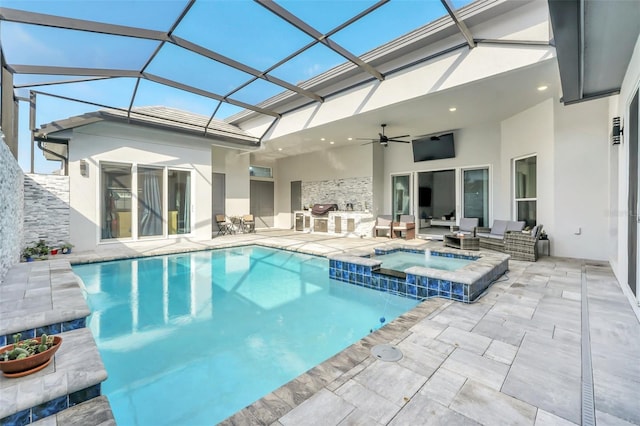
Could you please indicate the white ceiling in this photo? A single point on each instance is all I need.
(488, 100)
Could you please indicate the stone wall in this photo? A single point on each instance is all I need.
(46, 209)
(357, 191)
(11, 208)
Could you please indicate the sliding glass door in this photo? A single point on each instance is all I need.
(475, 193)
(160, 204)
(436, 201)
(179, 193)
(401, 195)
(150, 202)
(115, 193)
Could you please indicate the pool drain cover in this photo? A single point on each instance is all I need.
(386, 353)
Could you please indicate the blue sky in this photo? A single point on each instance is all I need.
(239, 29)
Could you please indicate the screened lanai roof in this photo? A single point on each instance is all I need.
(238, 60)
(221, 59)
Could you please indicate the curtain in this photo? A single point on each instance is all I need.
(151, 204)
(186, 206)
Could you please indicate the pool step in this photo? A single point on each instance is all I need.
(391, 273)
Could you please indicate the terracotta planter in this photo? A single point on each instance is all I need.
(31, 364)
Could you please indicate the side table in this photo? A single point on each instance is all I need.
(463, 243)
(542, 244)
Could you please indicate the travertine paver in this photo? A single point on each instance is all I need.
(544, 418)
(391, 381)
(501, 352)
(420, 359)
(443, 386)
(490, 407)
(424, 411)
(463, 339)
(377, 407)
(321, 409)
(546, 373)
(476, 367)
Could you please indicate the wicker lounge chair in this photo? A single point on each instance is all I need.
(522, 246)
(467, 226)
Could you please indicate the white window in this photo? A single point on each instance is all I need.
(525, 186)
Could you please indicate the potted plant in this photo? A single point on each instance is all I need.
(28, 253)
(28, 356)
(42, 249)
(66, 248)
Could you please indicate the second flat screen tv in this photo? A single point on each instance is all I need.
(433, 148)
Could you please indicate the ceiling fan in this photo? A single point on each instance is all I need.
(384, 140)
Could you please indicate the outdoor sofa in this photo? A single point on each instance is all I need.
(493, 238)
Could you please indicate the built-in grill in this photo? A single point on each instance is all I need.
(323, 209)
(320, 224)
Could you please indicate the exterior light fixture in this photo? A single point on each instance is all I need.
(617, 131)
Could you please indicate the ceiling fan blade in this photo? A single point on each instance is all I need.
(395, 140)
(366, 139)
(398, 137)
(369, 143)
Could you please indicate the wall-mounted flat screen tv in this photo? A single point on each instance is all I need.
(433, 148)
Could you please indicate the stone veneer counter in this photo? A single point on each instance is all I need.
(342, 222)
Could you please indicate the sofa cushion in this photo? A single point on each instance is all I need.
(468, 224)
(499, 227)
(495, 237)
(535, 231)
(482, 234)
(513, 226)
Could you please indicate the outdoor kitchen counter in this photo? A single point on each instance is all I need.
(341, 222)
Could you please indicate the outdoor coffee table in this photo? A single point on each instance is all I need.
(465, 242)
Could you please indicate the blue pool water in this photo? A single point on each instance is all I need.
(402, 260)
(193, 338)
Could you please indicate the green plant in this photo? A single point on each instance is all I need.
(42, 248)
(28, 252)
(26, 348)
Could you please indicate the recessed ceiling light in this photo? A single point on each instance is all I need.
(321, 139)
(452, 109)
(279, 149)
(332, 142)
(542, 88)
(349, 139)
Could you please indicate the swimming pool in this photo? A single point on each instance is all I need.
(193, 338)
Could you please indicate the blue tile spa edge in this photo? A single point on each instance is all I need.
(464, 285)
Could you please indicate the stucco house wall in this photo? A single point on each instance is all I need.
(121, 143)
